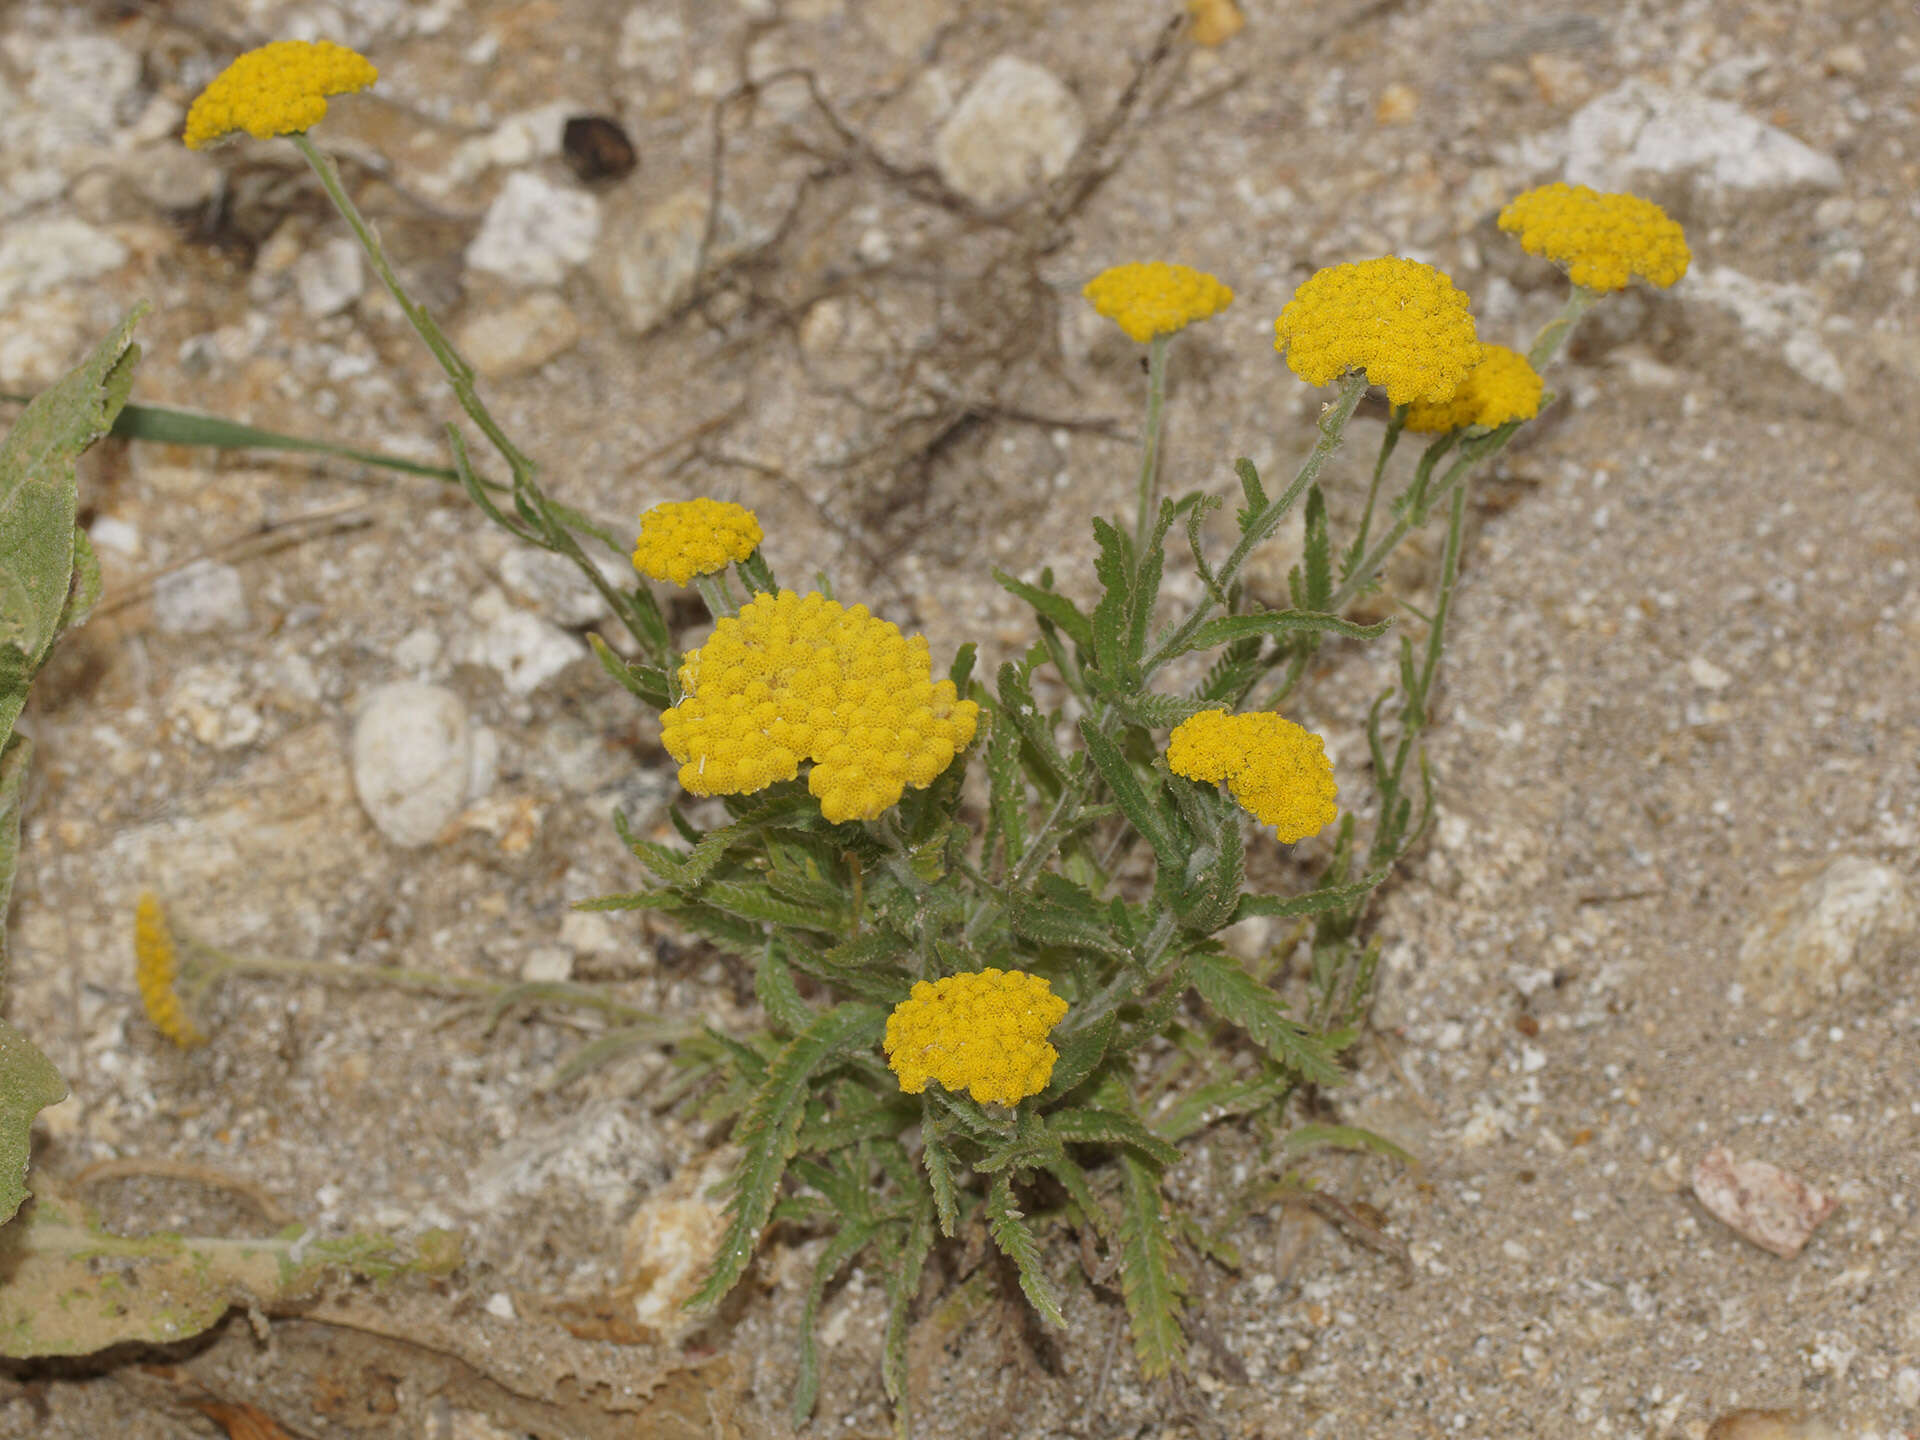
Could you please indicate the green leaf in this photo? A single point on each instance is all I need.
(937, 1156)
(903, 1284)
(769, 1130)
(87, 584)
(1319, 553)
(1148, 1282)
(16, 753)
(883, 1122)
(39, 499)
(840, 1249)
(1332, 897)
(1159, 712)
(1217, 1101)
(1250, 487)
(1046, 920)
(1146, 589)
(1110, 1127)
(758, 575)
(1080, 1054)
(28, 1084)
(1008, 1226)
(1131, 796)
(773, 986)
(1112, 616)
(1344, 1137)
(1223, 629)
(1074, 1181)
(1244, 1001)
(756, 902)
(170, 425)
(1006, 793)
(601, 1051)
(1053, 605)
(1018, 705)
(643, 682)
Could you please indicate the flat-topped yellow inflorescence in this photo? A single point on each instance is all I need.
(685, 538)
(1605, 240)
(1403, 323)
(1502, 387)
(802, 678)
(1278, 771)
(984, 1033)
(1156, 298)
(156, 968)
(279, 89)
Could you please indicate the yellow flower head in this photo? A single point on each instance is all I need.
(1403, 323)
(1156, 298)
(1277, 770)
(1603, 240)
(156, 967)
(1502, 387)
(278, 89)
(984, 1032)
(685, 538)
(795, 678)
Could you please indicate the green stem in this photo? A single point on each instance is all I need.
(1333, 424)
(1150, 451)
(1396, 422)
(718, 601)
(1547, 344)
(459, 374)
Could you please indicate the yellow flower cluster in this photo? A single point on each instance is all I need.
(1277, 770)
(1502, 387)
(685, 538)
(156, 968)
(1405, 324)
(984, 1032)
(1156, 298)
(795, 678)
(276, 90)
(1604, 240)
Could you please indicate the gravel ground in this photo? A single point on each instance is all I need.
(1678, 739)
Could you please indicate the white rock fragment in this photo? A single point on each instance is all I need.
(547, 964)
(500, 1306)
(211, 701)
(526, 650)
(40, 255)
(1829, 937)
(1760, 1202)
(597, 1154)
(78, 84)
(649, 266)
(535, 231)
(1642, 128)
(517, 140)
(670, 1242)
(519, 337)
(1015, 128)
(199, 598)
(1707, 675)
(1775, 1425)
(1774, 316)
(412, 760)
(330, 277)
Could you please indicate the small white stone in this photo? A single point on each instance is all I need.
(500, 1306)
(329, 277)
(651, 262)
(1707, 675)
(1906, 1386)
(199, 598)
(517, 140)
(419, 650)
(40, 255)
(519, 337)
(535, 232)
(587, 933)
(547, 964)
(412, 760)
(109, 532)
(1830, 937)
(526, 650)
(1642, 128)
(1015, 128)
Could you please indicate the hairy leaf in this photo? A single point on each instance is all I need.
(1131, 796)
(1240, 998)
(1110, 1127)
(1081, 1052)
(1148, 1282)
(1008, 1226)
(1052, 604)
(903, 1284)
(1319, 553)
(1314, 1136)
(769, 1130)
(938, 1158)
(846, 1244)
(1274, 623)
(1112, 616)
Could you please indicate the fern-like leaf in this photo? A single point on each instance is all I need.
(1152, 1289)
(1238, 997)
(1008, 1226)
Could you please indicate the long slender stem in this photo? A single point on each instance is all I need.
(1150, 449)
(1546, 345)
(1396, 422)
(459, 374)
(1333, 424)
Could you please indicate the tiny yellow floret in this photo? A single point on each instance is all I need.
(279, 89)
(156, 968)
(1502, 387)
(1604, 240)
(983, 1032)
(685, 538)
(1156, 298)
(796, 678)
(1278, 771)
(1403, 323)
